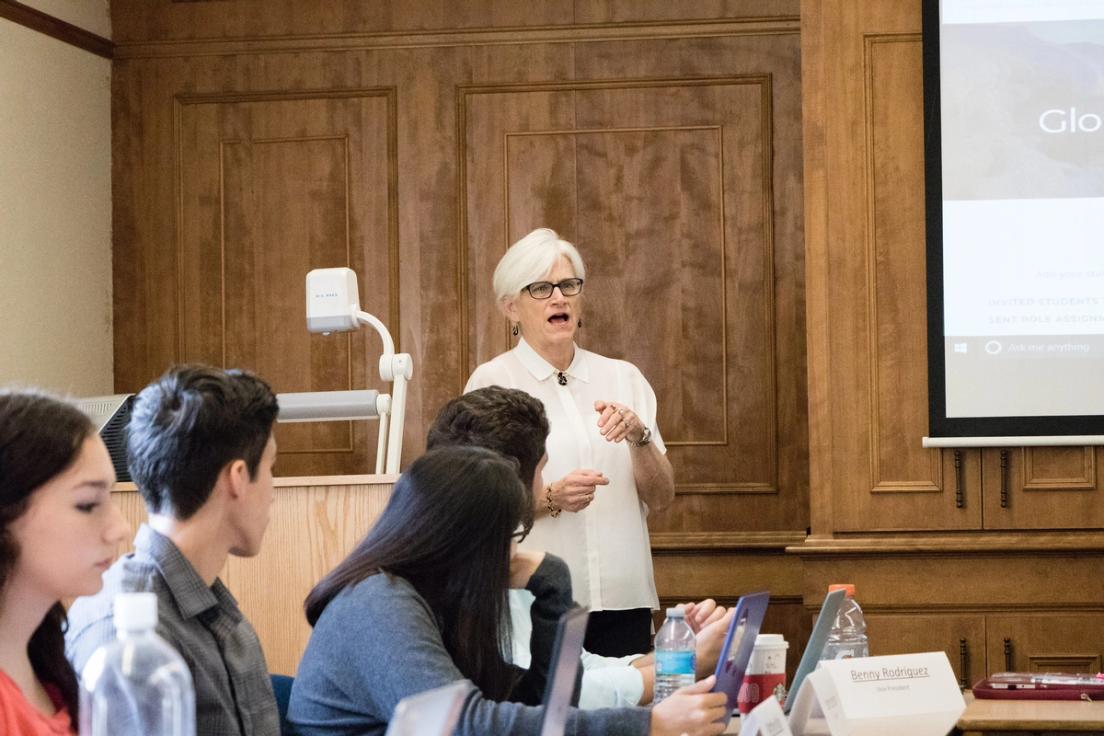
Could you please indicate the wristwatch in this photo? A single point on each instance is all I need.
(645, 439)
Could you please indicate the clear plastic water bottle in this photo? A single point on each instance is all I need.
(674, 655)
(847, 640)
(137, 684)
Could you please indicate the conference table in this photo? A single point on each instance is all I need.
(1034, 717)
(1011, 718)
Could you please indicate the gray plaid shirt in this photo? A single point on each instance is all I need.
(233, 690)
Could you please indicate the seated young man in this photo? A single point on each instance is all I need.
(513, 423)
(201, 450)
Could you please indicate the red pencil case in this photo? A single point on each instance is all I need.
(1040, 686)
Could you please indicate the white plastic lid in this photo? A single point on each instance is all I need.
(676, 613)
(771, 641)
(135, 611)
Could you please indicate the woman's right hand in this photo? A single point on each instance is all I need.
(691, 711)
(575, 491)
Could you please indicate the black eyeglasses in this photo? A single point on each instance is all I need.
(520, 535)
(544, 289)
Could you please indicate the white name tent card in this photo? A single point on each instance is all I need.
(766, 719)
(906, 695)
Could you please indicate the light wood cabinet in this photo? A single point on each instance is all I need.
(960, 636)
(1043, 488)
(1045, 642)
(979, 645)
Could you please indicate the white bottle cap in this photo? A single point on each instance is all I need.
(676, 613)
(135, 611)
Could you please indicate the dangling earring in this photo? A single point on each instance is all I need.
(515, 330)
(580, 323)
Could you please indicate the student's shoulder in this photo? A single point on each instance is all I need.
(126, 575)
(381, 593)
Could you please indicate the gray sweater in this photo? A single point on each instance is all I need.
(378, 642)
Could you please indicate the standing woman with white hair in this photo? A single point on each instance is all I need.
(607, 465)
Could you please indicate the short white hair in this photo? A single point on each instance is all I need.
(530, 259)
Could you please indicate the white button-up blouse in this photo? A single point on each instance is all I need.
(606, 544)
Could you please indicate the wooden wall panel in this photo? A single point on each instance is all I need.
(727, 142)
(272, 186)
(689, 297)
(414, 142)
(867, 149)
(954, 550)
(159, 20)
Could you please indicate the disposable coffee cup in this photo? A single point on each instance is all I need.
(766, 673)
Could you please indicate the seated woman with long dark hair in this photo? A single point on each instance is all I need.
(59, 530)
(421, 603)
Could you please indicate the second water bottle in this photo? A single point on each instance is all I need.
(847, 639)
(674, 655)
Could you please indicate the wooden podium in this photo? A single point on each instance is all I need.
(316, 521)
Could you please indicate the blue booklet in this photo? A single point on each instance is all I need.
(739, 642)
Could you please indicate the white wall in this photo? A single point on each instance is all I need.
(55, 206)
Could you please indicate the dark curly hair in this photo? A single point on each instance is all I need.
(506, 420)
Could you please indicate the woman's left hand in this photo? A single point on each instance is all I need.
(618, 422)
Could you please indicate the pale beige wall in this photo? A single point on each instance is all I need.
(55, 206)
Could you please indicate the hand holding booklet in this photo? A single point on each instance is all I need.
(736, 652)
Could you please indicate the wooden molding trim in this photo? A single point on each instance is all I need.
(53, 27)
(976, 543)
(813, 605)
(669, 541)
(721, 489)
(728, 598)
(588, 33)
(878, 482)
(1087, 481)
(308, 481)
(819, 322)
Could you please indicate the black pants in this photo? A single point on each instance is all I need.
(619, 633)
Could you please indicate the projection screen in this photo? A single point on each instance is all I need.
(1014, 148)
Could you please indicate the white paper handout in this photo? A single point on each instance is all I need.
(766, 719)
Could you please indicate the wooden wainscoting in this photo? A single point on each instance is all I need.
(724, 567)
(315, 523)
